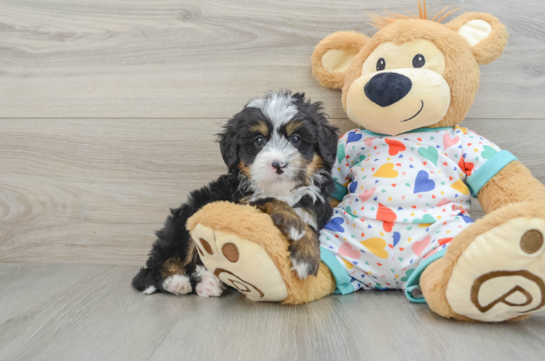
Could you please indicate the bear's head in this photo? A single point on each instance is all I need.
(413, 72)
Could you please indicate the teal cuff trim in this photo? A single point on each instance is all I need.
(342, 279)
(339, 192)
(419, 130)
(488, 170)
(413, 284)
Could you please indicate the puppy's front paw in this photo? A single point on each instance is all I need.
(304, 268)
(284, 217)
(305, 259)
(177, 285)
(290, 224)
(209, 285)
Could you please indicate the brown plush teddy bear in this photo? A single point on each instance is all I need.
(404, 179)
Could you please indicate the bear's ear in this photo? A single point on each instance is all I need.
(484, 33)
(333, 55)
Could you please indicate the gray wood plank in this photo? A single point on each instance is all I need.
(84, 312)
(188, 59)
(94, 191)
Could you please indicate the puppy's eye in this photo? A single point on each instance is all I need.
(260, 141)
(419, 61)
(295, 139)
(381, 64)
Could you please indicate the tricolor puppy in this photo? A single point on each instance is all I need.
(279, 151)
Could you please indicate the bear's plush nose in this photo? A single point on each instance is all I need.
(385, 89)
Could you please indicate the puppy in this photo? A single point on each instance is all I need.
(279, 151)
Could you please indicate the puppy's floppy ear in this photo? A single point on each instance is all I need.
(328, 139)
(228, 144)
(328, 136)
(483, 32)
(333, 55)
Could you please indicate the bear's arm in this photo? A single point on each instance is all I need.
(514, 183)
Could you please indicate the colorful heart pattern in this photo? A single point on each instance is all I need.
(449, 142)
(346, 250)
(407, 198)
(376, 246)
(386, 171)
(430, 153)
(353, 137)
(395, 146)
(335, 225)
(423, 183)
(366, 195)
(419, 246)
(340, 153)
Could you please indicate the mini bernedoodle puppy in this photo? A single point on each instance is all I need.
(279, 151)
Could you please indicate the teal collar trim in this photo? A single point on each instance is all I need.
(419, 130)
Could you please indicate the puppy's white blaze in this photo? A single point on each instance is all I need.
(264, 176)
(306, 217)
(210, 285)
(177, 284)
(301, 268)
(296, 235)
(149, 290)
(277, 107)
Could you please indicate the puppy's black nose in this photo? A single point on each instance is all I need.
(387, 88)
(279, 166)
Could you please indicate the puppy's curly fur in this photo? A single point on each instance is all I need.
(279, 151)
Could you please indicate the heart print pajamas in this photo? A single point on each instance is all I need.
(403, 199)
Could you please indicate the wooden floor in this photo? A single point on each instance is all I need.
(89, 312)
(108, 115)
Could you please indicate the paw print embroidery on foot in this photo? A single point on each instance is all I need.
(239, 263)
(501, 274)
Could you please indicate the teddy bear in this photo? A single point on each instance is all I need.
(404, 180)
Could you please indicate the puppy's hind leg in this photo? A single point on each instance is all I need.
(190, 276)
(175, 280)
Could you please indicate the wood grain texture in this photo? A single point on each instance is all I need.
(108, 115)
(202, 59)
(94, 191)
(88, 312)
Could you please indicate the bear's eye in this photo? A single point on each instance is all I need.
(419, 61)
(381, 64)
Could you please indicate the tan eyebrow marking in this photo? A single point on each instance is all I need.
(260, 127)
(292, 126)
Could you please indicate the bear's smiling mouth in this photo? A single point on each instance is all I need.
(422, 107)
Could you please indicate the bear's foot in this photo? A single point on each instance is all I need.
(239, 263)
(242, 247)
(498, 275)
